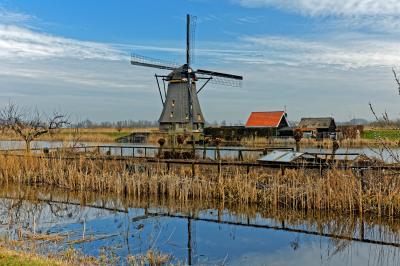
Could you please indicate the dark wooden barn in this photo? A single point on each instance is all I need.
(320, 127)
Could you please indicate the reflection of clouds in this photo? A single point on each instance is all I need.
(314, 253)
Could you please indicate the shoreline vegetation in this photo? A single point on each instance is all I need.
(10, 257)
(342, 191)
(371, 137)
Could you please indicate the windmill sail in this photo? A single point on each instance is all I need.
(218, 74)
(139, 60)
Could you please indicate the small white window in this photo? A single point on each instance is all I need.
(173, 103)
(172, 114)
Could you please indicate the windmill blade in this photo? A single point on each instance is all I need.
(139, 60)
(218, 74)
(220, 80)
(193, 22)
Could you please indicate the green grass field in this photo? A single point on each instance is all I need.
(390, 134)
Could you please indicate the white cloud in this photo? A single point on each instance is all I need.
(377, 15)
(341, 52)
(9, 17)
(16, 41)
(331, 7)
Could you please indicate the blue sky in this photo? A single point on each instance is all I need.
(312, 57)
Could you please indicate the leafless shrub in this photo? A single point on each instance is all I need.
(385, 122)
(396, 79)
(30, 124)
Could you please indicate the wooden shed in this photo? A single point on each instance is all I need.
(319, 127)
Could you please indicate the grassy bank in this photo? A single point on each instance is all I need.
(339, 191)
(13, 258)
(84, 134)
(369, 139)
(10, 257)
(387, 134)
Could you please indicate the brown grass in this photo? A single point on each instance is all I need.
(11, 257)
(326, 143)
(339, 191)
(82, 134)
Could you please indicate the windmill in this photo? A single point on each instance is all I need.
(181, 108)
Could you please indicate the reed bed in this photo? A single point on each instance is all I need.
(338, 191)
(325, 143)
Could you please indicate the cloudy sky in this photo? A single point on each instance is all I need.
(312, 57)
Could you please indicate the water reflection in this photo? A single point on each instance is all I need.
(372, 152)
(196, 232)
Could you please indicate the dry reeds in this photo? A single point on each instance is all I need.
(338, 191)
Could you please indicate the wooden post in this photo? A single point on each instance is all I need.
(193, 147)
(145, 152)
(248, 169)
(362, 229)
(240, 155)
(362, 179)
(282, 170)
(193, 170)
(122, 151)
(133, 152)
(168, 168)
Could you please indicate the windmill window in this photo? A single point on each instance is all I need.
(187, 117)
(199, 117)
(173, 103)
(172, 114)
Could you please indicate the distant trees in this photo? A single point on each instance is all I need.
(29, 124)
(118, 125)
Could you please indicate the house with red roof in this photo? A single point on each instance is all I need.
(275, 119)
(276, 122)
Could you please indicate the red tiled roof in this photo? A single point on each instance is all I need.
(265, 119)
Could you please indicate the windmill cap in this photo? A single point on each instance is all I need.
(180, 73)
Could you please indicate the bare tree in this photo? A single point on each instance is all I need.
(396, 79)
(385, 122)
(29, 124)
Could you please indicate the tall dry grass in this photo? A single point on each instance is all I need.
(82, 134)
(325, 143)
(339, 191)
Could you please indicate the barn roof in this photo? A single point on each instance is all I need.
(318, 122)
(265, 119)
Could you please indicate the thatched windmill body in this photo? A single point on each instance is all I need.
(181, 108)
